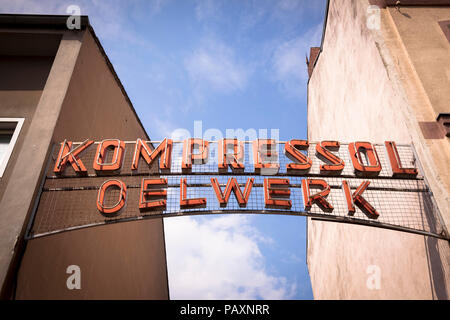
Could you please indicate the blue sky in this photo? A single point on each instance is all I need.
(230, 64)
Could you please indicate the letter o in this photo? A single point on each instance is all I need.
(101, 196)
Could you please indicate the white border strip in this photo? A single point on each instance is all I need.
(12, 143)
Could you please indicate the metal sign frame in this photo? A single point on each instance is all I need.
(381, 184)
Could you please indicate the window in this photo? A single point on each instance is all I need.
(9, 131)
(444, 120)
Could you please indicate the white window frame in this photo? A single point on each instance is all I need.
(12, 143)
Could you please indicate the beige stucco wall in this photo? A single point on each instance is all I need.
(357, 92)
(349, 92)
(428, 50)
(434, 153)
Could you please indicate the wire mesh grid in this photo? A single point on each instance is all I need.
(70, 202)
(211, 166)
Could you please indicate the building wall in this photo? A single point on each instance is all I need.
(95, 106)
(31, 91)
(428, 50)
(114, 263)
(434, 153)
(22, 80)
(356, 93)
(119, 261)
(340, 104)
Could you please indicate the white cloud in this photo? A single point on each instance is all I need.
(107, 17)
(289, 4)
(162, 129)
(288, 60)
(206, 8)
(156, 6)
(215, 66)
(30, 6)
(219, 258)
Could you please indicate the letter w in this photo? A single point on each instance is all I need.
(232, 185)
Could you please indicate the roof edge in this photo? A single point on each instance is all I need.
(403, 3)
(59, 22)
(39, 21)
(325, 20)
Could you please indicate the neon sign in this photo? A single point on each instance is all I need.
(90, 183)
(265, 162)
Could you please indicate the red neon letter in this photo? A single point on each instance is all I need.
(336, 164)
(66, 153)
(319, 197)
(282, 191)
(189, 157)
(235, 159)
(396, 163)
(150, 190)
(189, 203)
(265, 156)
(292, 150)
(164, 149)
(374, 166)
(348, 197)
(116, 163)
(232, 185)
(101, 196)
(357, 198)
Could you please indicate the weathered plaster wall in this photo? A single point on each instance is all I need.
(349, 92)
(434, 153)
(428, 50)
(356, 93)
